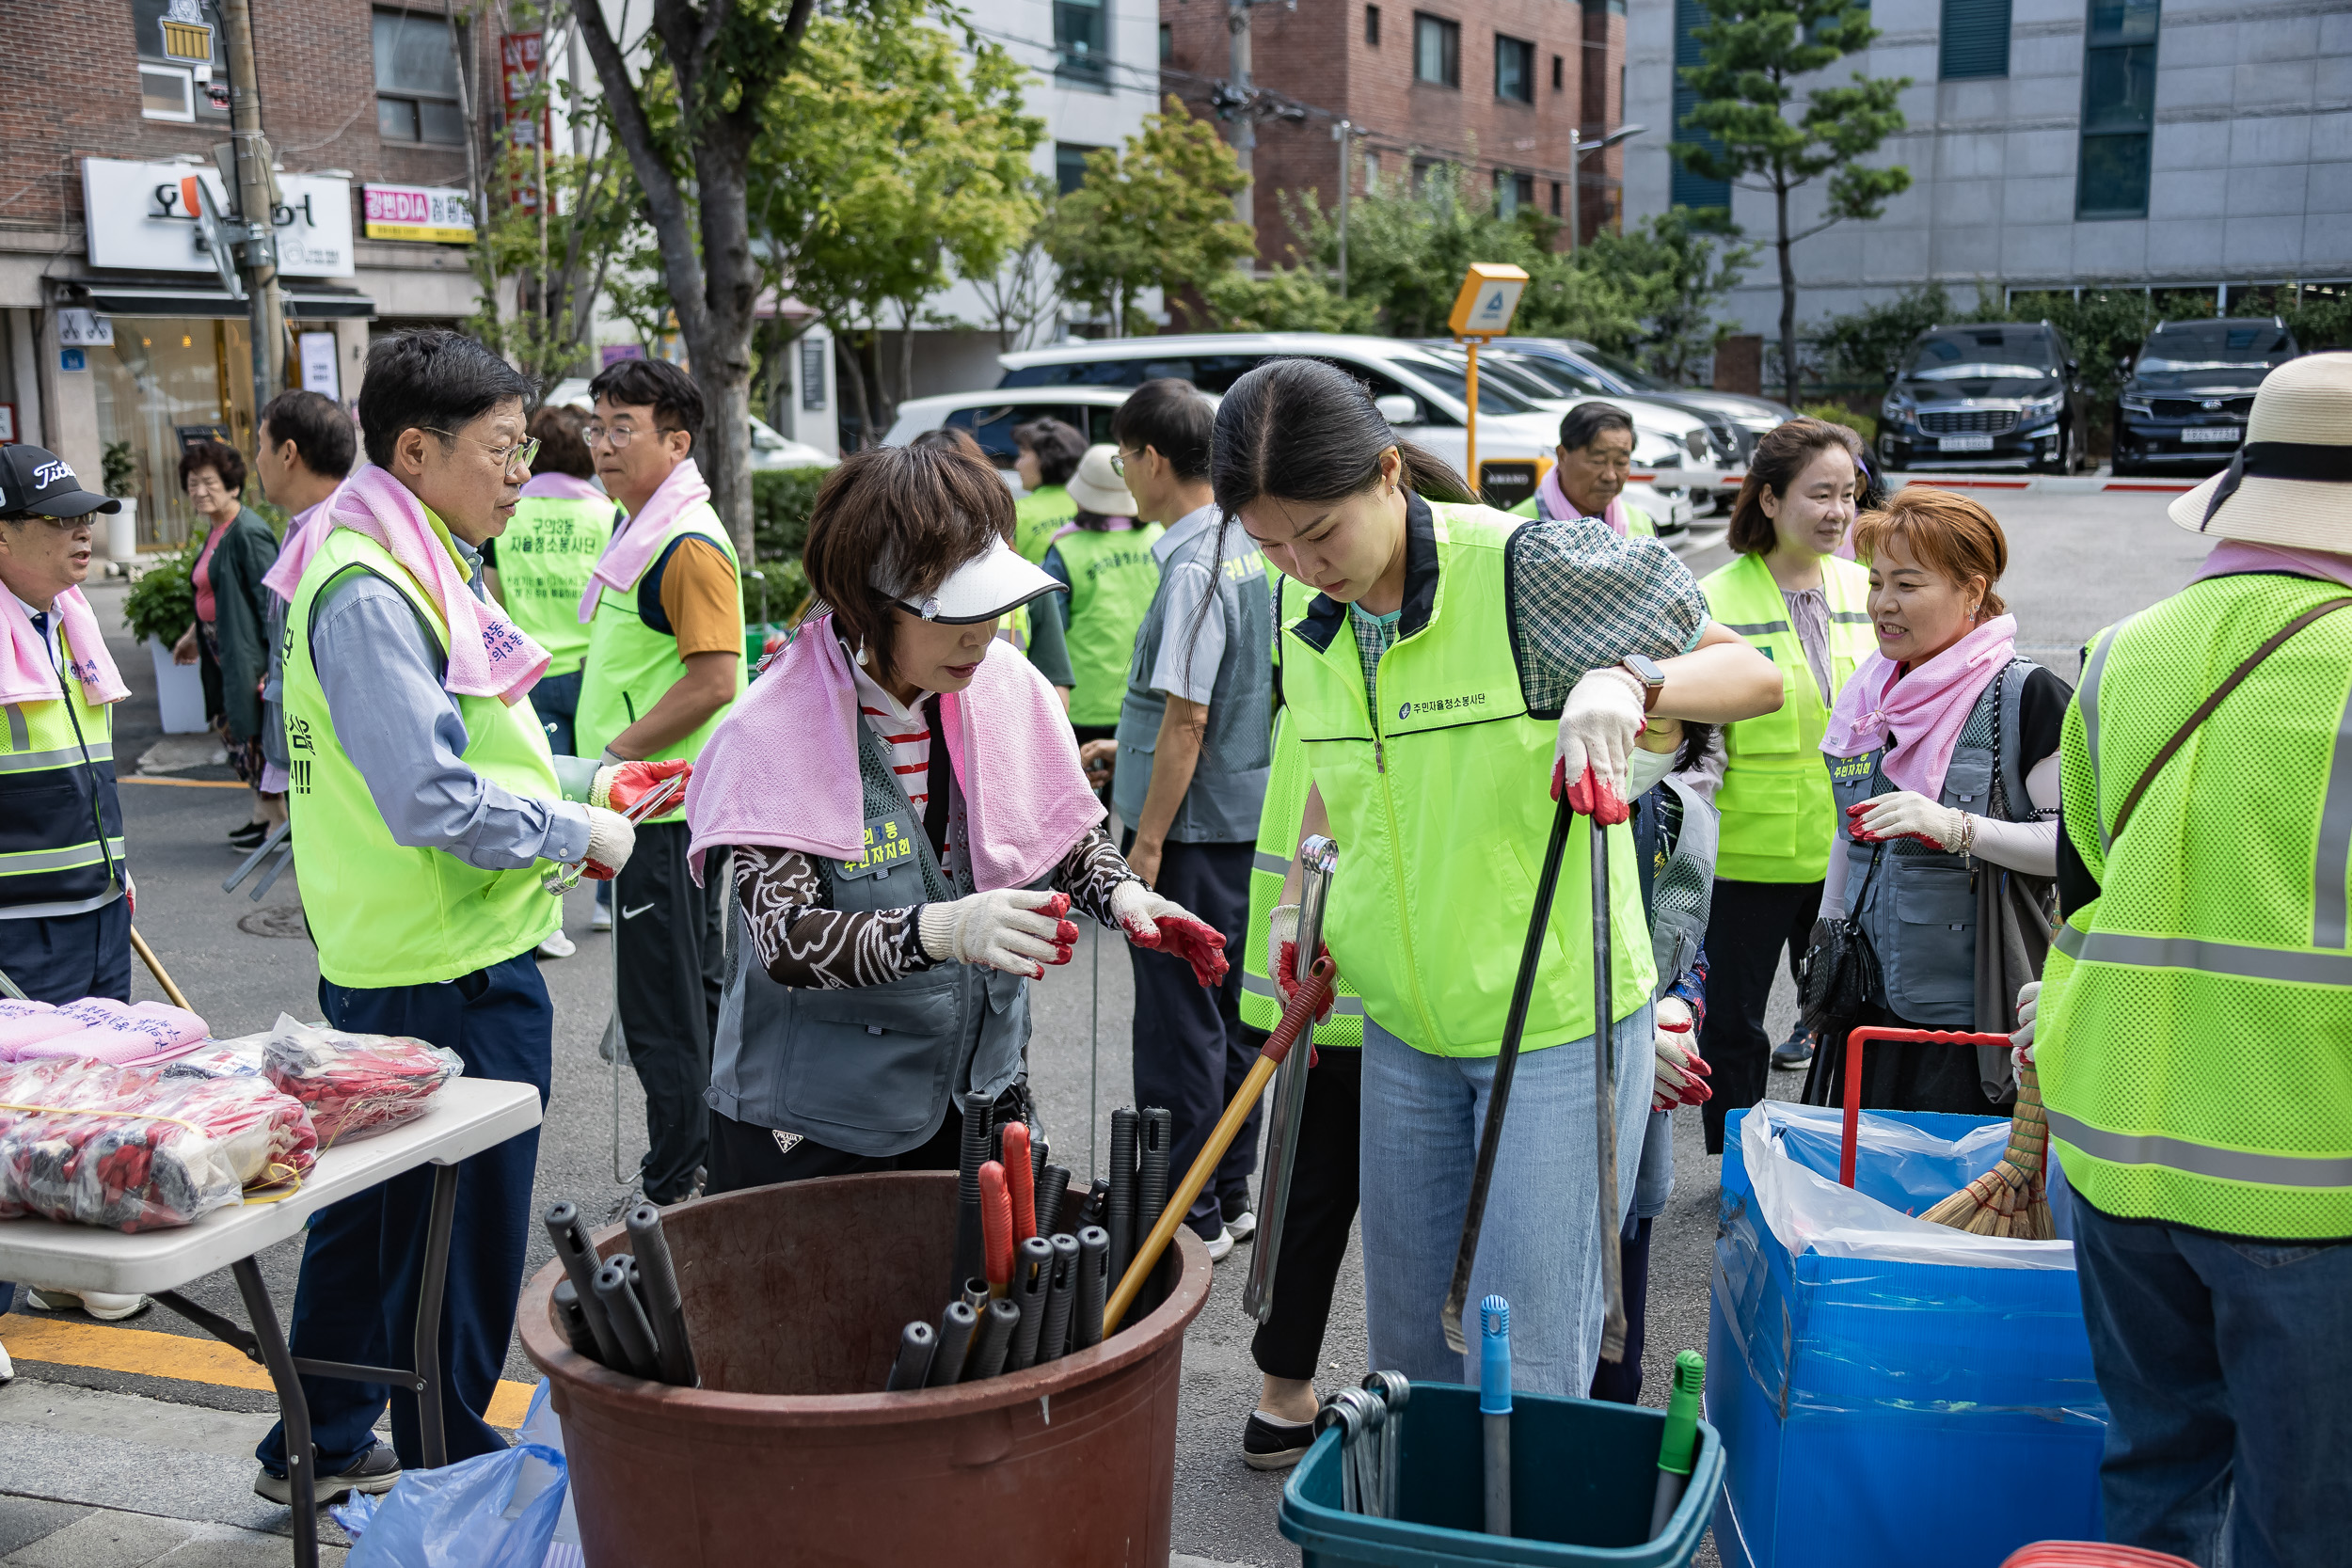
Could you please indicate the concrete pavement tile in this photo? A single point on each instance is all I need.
(225, 1547)
(25, 1520)
(106, 1538)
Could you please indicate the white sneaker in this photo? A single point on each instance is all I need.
(1244, 1225)
(1221, 1244)
(558, 946)
(7, 1368)
(602, 919)
(97, 1304)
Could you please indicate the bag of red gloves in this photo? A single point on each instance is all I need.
(131, 1150)
(356, 1085)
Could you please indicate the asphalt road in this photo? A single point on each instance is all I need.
(2078, 563)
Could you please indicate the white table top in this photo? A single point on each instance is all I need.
(468, 1115)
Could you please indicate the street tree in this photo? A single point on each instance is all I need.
(1024, 293)
(1681, 266)
(1156, 213)
(1769, 132)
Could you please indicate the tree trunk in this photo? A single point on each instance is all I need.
(853, 377)
(1787, 294)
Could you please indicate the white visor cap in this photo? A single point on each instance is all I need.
(984, 588)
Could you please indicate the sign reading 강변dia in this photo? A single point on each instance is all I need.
(437, 213)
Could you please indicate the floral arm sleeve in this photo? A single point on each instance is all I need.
(1089, 872)
(800, 942)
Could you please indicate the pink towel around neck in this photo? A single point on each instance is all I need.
(1553, 501)
(2232, 556)
(1925, 709)
(633, 544)
(489, 655)
(782, 771)
(27, 676)
(562, 487)
(303, 537)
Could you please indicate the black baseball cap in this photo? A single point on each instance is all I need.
(35, 480)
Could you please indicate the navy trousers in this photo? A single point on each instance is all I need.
(362, 1266)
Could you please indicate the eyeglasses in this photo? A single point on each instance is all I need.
(615, 437)
(517, 457)
(1118, 463)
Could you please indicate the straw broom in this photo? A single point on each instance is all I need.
(2012, 1199)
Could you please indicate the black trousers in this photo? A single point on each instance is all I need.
(665, 932)
(1747, 928)
(744, 1154)
(1191, 1052)
(1620, 1382)
(1289, 1344)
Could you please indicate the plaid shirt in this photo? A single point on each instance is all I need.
(1581, 599)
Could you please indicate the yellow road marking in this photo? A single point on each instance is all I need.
(182, 784)
(147, 1354)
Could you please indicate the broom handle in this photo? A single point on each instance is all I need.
(1854, 1042)
(155, 967)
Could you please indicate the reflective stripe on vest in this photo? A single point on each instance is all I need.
(1112, 579)
(1441, 807)
(544, 559)
(60, 814)
(2219, 930)
(1777, 818)
(382, 914)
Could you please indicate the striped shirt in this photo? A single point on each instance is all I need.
(905, 731)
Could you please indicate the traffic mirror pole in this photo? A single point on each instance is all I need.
(1489, 297)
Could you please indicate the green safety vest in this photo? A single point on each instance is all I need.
(2220, 930)
(1778, 816)
(1637, 522)
(630, 665)
(1036, 517)
(544, 559)
(1441, 805)
(1112, 579)
(1278, 842)
(384, 914)
(61, 842)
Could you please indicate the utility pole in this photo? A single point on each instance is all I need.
(256, 192)
(1245, 118)
(1342, 131)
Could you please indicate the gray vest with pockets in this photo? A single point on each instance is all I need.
(1919, 909)
(870, 1069)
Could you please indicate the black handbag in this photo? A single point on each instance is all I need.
(1840, 970)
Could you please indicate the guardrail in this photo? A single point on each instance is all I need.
(2056, 485)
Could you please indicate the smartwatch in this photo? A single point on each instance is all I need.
(1644, 669)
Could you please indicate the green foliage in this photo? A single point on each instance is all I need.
(1155, 213)
(1408, 250)
(2320, 322)
(1287, 300)
(162, 603)
(781, 502)
(1837, 413)
(1684, 265)
(1853, 351)
(119, 469)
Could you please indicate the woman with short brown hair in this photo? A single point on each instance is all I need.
(1942, 757)
(232, 609)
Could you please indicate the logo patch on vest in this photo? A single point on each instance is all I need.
(1439, 704)
(885, 845)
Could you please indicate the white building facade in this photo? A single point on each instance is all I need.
(2054, 143)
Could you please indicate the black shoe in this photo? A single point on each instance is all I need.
(375, 1471)
(1795, 1052)
(249, 836)
(1270, 1444)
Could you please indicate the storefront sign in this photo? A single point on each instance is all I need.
(522, 76)
(318, 363)
(139, 217)
(79, 328)
(434, 212)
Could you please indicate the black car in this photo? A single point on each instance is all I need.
(2191, 391)
(2003, 394)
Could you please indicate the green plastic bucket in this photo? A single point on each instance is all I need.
(1584, 1474)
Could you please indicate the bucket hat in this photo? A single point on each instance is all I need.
(1097, 487)
(2291, 482)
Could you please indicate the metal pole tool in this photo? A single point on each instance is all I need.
(1318, 857)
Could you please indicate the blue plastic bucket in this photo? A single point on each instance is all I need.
(1584, 1474)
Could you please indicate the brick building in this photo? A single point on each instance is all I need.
(1501, 90)
(114, 327)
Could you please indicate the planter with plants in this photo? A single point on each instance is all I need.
(160, 608)
(119, 472)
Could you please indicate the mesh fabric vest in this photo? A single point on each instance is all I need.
(1112, 576)
(545, 557)
(384, 914)
(61, 820)
(1441, 802)
(1778, 819)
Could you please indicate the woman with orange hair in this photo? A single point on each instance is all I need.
(1943, 759)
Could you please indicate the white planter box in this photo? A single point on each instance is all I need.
(122, 531)
(179, 689)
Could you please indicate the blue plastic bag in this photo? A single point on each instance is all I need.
(465, 1516)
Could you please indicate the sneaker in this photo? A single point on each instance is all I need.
(1271, 1443)
(249, 836)
(1219, 1244)
(558, 946)
(601, 920)
(1243, 1226)
(97, 1304)
(377, 1471)
(1794, 1051)
(7, 1368)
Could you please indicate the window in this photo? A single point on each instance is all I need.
(1556, 72)
(1070, 165)
(1555, 198)
(181, 76)
(416, 80)
(1437, 51)
(1512, 191)
(1685, 189)
(1079, 34)
(1167, 43)
(1515, 70)
(812, 375)
(2119, 109)
(167, 93)
(1371, 171)
(1975, 40)
(1371, 27)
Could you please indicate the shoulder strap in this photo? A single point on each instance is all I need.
(2204, 710)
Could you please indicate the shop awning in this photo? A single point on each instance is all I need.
(302, 304)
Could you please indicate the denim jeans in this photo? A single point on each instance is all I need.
(1540, 1246)
(2225, 1365)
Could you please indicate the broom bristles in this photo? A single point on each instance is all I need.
(2012, 1199)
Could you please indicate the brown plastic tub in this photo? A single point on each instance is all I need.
(787, 1454)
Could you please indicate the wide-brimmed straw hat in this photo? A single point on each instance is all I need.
(2291, 482)
(1097, 487)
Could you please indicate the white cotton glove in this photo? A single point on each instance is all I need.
(1905, 813)
(1678, 1075)
(611, 839)
(1016, 929)
(1597, 730)
(1164, 926)
(2021, 1043)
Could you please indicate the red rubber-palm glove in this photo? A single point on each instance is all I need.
(1164, 926)
(1597, 724)
(1282, 942)
(620, 788)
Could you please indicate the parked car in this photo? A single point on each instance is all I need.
(989, 417)
(1739, 420)
(2000, 394)
(1418, 392)
(2191, 390)
(1659, 430)
(769, 449)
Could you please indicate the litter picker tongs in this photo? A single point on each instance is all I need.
(561, 878)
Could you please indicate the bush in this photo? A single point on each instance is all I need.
(162, 603)
(1837, 413)
(780, 502)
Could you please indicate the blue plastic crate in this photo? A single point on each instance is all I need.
(1584, 1474)
(1882, 1411)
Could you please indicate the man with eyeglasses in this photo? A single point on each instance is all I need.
(665, 658)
